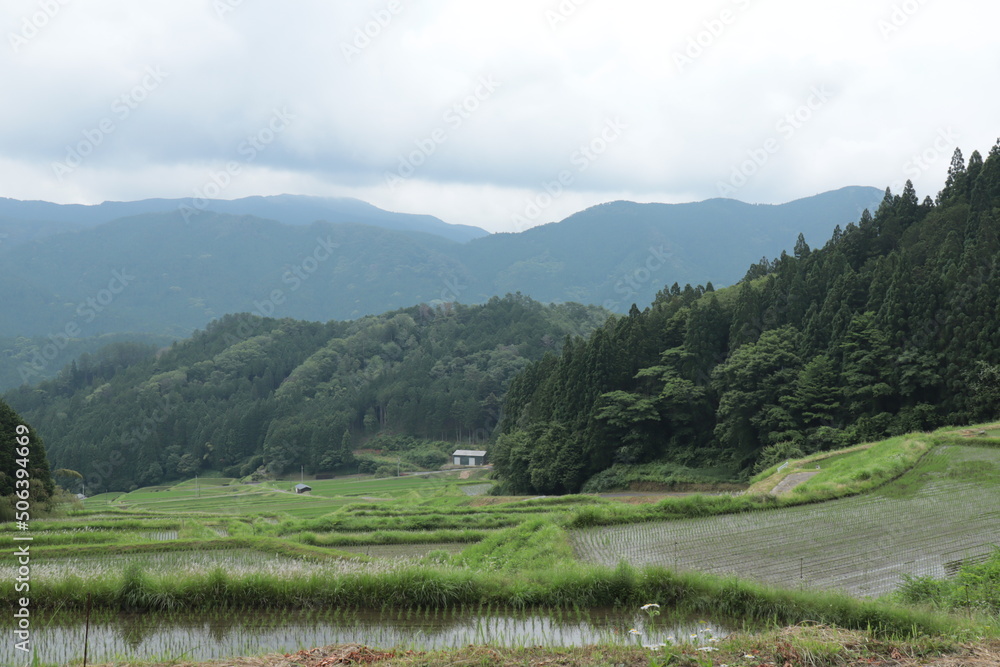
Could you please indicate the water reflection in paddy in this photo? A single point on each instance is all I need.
(228, 634)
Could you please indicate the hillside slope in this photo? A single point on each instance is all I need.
(286, 393)
(893, 326)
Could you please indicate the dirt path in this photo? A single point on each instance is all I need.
(791, 481)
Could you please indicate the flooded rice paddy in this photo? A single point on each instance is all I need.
(207, 637)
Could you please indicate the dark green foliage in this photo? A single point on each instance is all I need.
(891, 327)
(285, 394)
(16, 438)
(775, 454)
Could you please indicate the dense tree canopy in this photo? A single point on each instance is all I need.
(249, 391)
(22, 449)
(892, 326)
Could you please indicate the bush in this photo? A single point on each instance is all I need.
(251, 465)
(427, 456)
(977, 587)
(385, 471)
(777, 453)
(392, 443)
(233, 471)
(924, 590)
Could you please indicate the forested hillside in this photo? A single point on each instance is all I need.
(249, 391)
(892, 326)
(21, 449)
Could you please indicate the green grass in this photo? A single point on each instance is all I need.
(846, 472)
(262, 547)
(977, 586)
(138, 590)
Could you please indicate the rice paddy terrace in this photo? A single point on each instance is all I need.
(431, 545)
(944, 512)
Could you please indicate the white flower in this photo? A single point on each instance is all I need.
(706, 648)
(633, 631)
(647, 607)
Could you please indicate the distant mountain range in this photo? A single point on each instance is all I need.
(153, 267)
(24, 220)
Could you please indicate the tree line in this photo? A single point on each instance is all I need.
(890, 327)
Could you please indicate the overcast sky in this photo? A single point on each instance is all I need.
(497, 114)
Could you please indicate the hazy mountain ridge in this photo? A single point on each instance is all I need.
(177, 272)
(289, 209)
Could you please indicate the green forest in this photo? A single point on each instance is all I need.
(890, 327)
(292, 395)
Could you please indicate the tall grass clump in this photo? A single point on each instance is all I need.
(977, 587)
(536, 544)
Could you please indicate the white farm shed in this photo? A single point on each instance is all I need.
(469, 457)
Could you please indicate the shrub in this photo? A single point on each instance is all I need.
(777, 453)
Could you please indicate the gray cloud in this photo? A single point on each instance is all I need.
(378, 85)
